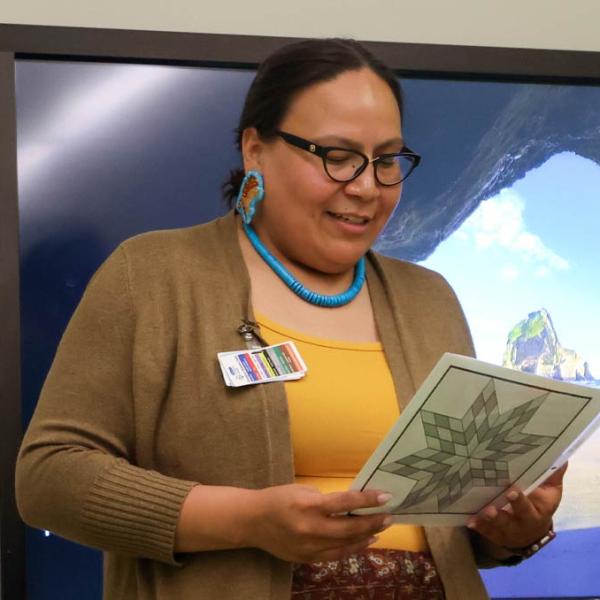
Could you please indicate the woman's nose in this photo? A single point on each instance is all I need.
(365, 186)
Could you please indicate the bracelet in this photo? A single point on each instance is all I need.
(530, 550)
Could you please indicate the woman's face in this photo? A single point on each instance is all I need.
(306, 218)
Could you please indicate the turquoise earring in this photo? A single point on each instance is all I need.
(252, 191)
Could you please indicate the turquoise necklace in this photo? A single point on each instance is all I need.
(297, 287)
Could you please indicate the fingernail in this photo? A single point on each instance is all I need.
(383, 498)
(372, 540)
(471, 524)
(388, 521)
(512, 495)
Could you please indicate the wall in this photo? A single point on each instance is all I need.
(553, 24)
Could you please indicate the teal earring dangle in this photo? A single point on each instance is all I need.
(252, 191)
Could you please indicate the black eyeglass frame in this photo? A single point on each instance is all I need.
(322, 151)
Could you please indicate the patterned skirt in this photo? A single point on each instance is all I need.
(375, 574)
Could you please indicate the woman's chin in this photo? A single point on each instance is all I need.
(347, 258)
(338, 264)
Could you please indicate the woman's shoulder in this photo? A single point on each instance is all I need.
(416, 285)
(173, 243)
(402, 269)
(167, 258)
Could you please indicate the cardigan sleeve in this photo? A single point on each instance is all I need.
(75, 472)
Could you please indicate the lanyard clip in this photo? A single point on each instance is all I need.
(249, 331)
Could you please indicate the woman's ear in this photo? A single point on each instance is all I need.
(252, 149)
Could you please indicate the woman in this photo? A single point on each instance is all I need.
(198, 490)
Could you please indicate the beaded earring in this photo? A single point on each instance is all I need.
(252, 191)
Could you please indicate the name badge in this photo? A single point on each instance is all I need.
(280, 362)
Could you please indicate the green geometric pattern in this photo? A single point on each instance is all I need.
(473, 451)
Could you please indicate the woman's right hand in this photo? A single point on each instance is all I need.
(298, 523)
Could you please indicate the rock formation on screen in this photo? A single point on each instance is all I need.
(533, 347)
(486, 143)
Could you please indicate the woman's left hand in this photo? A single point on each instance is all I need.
(526, 519)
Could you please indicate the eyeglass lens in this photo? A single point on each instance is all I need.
(343, 165)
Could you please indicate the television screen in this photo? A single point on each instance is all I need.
(504, 205)
(514, 231)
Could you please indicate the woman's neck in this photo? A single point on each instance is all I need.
(353, 322)
(318, 281)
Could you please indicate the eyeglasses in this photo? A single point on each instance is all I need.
(343, 165)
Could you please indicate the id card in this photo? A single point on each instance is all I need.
(280, 362)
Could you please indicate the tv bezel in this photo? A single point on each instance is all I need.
(192, 49)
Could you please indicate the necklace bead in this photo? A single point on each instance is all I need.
(296, 287)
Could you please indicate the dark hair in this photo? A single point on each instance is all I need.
(290, 70)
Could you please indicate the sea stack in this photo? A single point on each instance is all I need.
(533, 347)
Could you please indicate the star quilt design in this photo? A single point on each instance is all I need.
(468, 452)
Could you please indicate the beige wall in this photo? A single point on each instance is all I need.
(558, 24)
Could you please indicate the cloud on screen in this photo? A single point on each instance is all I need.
(498, 223)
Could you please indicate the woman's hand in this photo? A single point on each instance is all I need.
(526, 519)
(293, 522)
(298, 523)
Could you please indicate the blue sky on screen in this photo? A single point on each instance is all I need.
(534, 245)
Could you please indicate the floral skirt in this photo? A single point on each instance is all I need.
(375, 574)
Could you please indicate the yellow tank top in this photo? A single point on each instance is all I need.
(339, 412)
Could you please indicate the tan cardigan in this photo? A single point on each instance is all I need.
(134, 412)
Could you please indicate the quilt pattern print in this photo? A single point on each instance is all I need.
(472, 451)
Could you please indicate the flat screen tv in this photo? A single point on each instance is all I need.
(504, 205)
